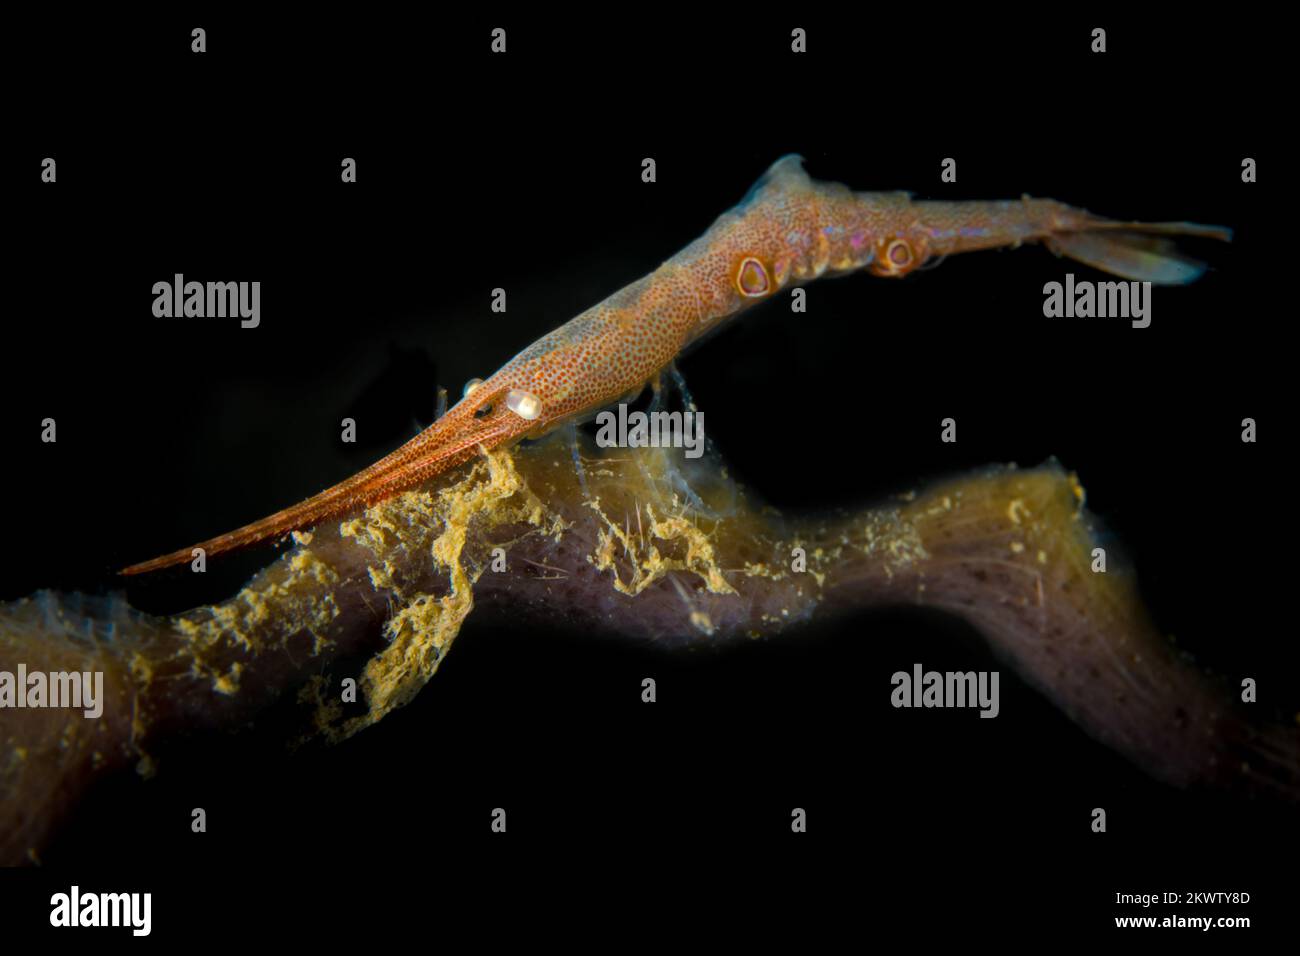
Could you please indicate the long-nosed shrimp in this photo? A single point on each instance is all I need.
(788, 230)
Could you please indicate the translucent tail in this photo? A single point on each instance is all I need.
(1136, 250)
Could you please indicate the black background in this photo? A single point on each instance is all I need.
(523, 171)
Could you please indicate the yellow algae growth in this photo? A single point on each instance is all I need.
(648, 563)
(296, 598)
(889, 536)
(422, 626)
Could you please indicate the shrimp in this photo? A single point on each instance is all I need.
(788, 230)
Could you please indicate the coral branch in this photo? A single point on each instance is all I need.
(1007, 550)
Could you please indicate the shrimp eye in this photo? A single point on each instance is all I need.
(751, 278)
(483, 411)
(899, 254)
(524, 404)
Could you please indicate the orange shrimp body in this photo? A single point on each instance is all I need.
(788, 230)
